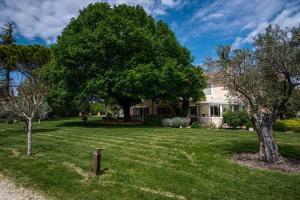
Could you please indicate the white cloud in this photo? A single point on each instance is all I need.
(288, 17)
(47, 18)
(237, 42)
(243, 18)
(213, 16)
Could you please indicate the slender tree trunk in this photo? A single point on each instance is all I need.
(29, 137)
(126, 111)
(7, 80)
(268, 149)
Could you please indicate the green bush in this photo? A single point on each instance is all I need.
(244, 118)
(291, 124)
(280, 126)
(84, 118)
(235, 119)
(153, 120)
(196, 125)
(249, 125)
(232, 119)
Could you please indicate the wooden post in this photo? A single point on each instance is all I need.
(97, 161)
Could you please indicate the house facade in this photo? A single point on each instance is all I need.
(209, 111)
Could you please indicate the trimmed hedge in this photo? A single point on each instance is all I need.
(175, 122)
(166, 122)
(291, 124)
(288, 125)
(280, 126)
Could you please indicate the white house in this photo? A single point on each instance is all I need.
(209, 111)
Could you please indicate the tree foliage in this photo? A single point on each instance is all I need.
(121, 52)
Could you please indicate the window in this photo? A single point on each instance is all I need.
(215, 111)
(226, 108)
(207, 90)
(193, 110)
(204, 110)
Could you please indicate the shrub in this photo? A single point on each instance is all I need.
(249, 125)
(291, 124)
(178, 122)
(84, 118)
(153, 120)
(196, 125)
(232, 119)
(166, 122)
(175, 122)
(279, 126)
(235, 119)
(210, 125)
(244, 118)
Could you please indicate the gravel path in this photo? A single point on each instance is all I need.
(10, 191)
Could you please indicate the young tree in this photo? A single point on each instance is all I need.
(263, 79)
(27, 103)
(27, 98)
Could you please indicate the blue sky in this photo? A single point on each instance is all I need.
(200, 25)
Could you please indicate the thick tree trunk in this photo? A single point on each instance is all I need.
(29, 137)
(268, 149)
(126, 111)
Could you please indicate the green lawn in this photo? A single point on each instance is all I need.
(142, 162)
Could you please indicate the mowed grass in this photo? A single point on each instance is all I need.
(142, 162)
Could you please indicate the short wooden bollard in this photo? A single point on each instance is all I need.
(97, 161)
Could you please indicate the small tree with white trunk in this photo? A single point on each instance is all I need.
(28, 102)
(264, 79)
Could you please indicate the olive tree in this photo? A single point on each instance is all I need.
(263, 78)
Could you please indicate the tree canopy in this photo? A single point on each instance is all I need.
(122, 52)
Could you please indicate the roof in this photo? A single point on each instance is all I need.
(218, 101)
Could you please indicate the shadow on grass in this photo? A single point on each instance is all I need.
(34, 130)
(289, 151)
(97, 124)
(238, 147)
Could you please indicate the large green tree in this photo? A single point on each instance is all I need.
(122, 52)
(265, 79)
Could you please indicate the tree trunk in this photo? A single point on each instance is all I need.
(185, 107)
(7, 80)
(126, 111)
(268, 149)
(29, 137)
